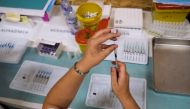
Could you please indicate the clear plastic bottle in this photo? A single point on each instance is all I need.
(66, 7)
(70, 16)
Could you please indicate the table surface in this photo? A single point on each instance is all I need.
(155, 100)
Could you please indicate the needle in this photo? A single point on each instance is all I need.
(115, 54)
(116, 62)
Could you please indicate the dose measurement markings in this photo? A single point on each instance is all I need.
(10, 30)
(6, 49)
(59, 30)
(135, 50)
(6, 45)
(40, 80)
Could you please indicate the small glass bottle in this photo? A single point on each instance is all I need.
(70, 16)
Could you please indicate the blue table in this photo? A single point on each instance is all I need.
(155, 100)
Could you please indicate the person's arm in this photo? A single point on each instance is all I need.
(120, 87)
(63, 92)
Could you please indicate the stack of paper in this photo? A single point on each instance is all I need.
(132, 44)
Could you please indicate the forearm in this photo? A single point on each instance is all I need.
(62, 94)
(65, 90)
(128, 102)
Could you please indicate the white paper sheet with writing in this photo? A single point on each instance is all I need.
(12, 48)
(59, 34)
(100, 92)
(37, 78)
(133, 43)
(18, 29)
(128, 18)
(132, 46)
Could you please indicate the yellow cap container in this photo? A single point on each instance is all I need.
(170, 16)
(170, 13)
(89, 14)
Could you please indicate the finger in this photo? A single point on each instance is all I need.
(117, 61)
(104, 46)
(108, 50)
(113, 62)
(101, 32)
(123, 76)
(113, 30)
(122, 66)
(107, 37)
(114, 39)
(113, 77)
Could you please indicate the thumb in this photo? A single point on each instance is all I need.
(113, 77)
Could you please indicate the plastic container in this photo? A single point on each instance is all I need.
(170, 13)
(170, 16)
(102, 24)
(89, 15)
(82, 37)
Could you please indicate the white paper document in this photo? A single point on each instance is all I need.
(12, 48)
(58, 34)
(132, 46)
(100, 93)
(128, 18)
(18, 29)
(133, 43)
(37, 78)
